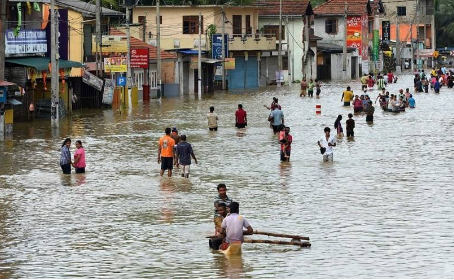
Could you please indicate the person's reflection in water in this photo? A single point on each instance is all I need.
(168, 186)
(229, 267)
(285, 171)
(80, 179)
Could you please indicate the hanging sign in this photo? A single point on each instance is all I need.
(354, 39)
(376, 45)
(107, 96)
(386, 31)
(92, 80)
(115, 64)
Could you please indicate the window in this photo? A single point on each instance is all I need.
(142, 19)
(237, 25)
(429, 7)
(138, 79)
(191, 24)
(248, 25)
(331, 26)
(153, 79)
(273, 31)
(401, 11)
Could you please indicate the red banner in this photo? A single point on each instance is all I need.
(354, 30)
(139, 58)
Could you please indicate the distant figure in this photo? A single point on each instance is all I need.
(303, 88)
(338, 126)
(311, 88)
(183, 156)
(370, 112)
(240, 117)
(212, 120)
(286, 144)
(318, 89)
(221, 198)
(326, 144)
(175, 135)
(437, 86)
(166, 153)
(411, 102)
(79, 158)
(350, 126)
(364, 82)
(65, 157)
(276, 118)
(347, 96)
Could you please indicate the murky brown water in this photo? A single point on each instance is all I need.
(382, 209)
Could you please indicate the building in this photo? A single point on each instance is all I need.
(415, 22)
(292, 40)
(340, 21)
(179, 34)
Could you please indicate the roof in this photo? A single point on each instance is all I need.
(332, 48)
(295, 7)
(186, 51)
(337, 7)
(139, 44)
(42, 63)
(85, 8)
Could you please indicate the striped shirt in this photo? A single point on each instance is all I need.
(65, 157)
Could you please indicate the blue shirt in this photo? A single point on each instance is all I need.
(65, 157)
(411, 102)
(437, 85)
(184, 152)
(278, 117)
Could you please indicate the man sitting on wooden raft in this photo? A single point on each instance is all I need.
(221, 213)
(232, 227)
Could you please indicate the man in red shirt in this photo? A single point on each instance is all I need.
(240, 117)
(390, 77)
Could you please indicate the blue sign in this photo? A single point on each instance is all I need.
(216, 46)
(121, 81)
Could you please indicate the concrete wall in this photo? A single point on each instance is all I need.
(75, 44)
(337, 74)
(319, 30)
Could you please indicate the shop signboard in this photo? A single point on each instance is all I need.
(139, 58)
(115, 64)
(92, 80)
(32, 41)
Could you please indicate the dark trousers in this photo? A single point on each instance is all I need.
(66, 168)
(80, 170)
(215, 243)
(369, 118)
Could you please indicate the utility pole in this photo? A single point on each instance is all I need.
(158, 48)
(344, 50)
(55, 67)
(223, 49)
(2, 41)
(144, 34)
(398, 64)
(279, 55)
(417, 33)
(128, 54)
(307, 28)
(289, 52)
(98, 38)
(199, 62)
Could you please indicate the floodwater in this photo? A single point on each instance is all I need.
(382, 209)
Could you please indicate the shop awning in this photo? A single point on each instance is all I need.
(42, 63)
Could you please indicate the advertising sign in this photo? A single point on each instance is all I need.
(229, 63)
(354, 38)
(139, 58)
(365, 37)
(107, 96)
(28, 41)
(376, 45)
(115, 64)
(216, 46)
(92, 80)
(386, 31)
(112, 44)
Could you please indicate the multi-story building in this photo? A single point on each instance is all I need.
(180, 33)
(292, 39)
(415, 22)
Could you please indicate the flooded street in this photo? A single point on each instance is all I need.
(382, 209)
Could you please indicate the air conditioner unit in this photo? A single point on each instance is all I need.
(197, 43)
(152, 42)
(284, 47)
(176, 43)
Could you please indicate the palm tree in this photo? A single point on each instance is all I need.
(444, 22)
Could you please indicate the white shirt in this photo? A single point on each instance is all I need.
(233, 225)
(212, 120)
(324, 143)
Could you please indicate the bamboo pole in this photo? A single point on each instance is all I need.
(281, 235)
(278, 242)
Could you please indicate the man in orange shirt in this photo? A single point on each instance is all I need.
(166, 153)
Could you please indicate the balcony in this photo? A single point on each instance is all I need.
(252, 43)
(179, 43)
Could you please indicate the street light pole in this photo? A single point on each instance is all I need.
(279, 55)
(55, 67)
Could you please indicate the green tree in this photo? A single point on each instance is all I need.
(110, 4)
(444, 23)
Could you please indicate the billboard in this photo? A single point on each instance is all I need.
(216, 46)
(112, 44)
(139, 58)
(115, 64)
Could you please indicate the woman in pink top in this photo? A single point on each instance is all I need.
(79, 158)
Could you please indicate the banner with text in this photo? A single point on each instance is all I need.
(354, 39)
(115, 64)
(139, 58)
(32, 41)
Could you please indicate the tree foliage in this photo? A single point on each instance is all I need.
(444, 23)
(110, 4)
